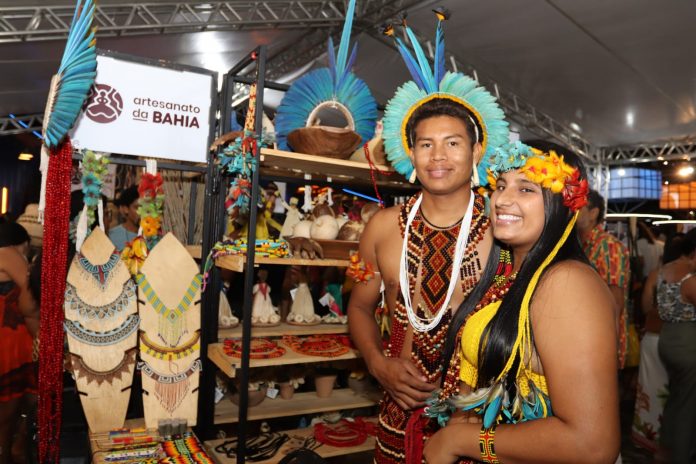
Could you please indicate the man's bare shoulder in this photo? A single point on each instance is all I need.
(386, 216)
(383, 228)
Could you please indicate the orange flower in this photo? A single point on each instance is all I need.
(150, 225)
(358, 270)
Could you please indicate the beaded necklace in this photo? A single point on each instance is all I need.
(170, 390)
(171, 321)
(422, 323)
(431, 250)
(110, 337)
(101, 273)
(162, 352)
(103, 312)
(345, 433)
(502, 282)
(316, 345)
(261, 348)
(82, 370)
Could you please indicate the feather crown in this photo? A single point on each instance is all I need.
(434, 82)
(337, 84)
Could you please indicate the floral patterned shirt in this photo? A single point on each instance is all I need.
(611, 260)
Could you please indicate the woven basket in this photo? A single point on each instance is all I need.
(331, 142)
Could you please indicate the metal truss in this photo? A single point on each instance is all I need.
(599, 177)
(37, 22)
(19, 124)
(683, 149)
(517, 108)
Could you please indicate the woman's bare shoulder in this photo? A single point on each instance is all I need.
(571, 285)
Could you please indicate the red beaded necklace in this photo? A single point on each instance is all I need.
(53, 277)
(345, 433)
(261, 348)
(316, 345)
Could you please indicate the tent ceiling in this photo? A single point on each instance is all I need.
(621, 70)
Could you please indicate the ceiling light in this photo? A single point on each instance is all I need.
(666, 163)
(621, 172)
(660, 158)
(575, 126)
(25, 156)
(675, 221)
(630, 118)
(638, 215)
(686, 171)
(666, 182)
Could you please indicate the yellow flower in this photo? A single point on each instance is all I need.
(134, 254)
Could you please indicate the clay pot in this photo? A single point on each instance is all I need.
(324, 385)
(256, 397)
(332, 142)
(286, 390)
(359, 386)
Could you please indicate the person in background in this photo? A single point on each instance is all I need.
(676, 304)
(651, 389)
(127, 203)
(610, 259)
(649, 250)
(19, 324)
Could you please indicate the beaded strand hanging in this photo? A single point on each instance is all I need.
(53, 281)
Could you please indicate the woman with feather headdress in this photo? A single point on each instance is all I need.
(537, 366)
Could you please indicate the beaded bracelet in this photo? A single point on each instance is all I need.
(486, 445)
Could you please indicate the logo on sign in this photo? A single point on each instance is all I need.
(104, 104)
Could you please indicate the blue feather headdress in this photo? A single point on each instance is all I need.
(70, 86)
(76, 74)
(432, 83)
(336, 83)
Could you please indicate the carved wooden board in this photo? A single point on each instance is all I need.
(168, 278)
(101, 322)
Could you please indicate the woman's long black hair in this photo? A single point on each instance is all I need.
(501, 332)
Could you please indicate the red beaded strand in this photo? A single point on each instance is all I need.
(53, 274)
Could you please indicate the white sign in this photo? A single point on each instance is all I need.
(144, 110)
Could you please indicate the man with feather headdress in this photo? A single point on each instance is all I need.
(428, 252)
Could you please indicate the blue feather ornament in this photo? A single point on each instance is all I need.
(335, 83)
(76, 74)
(439, 53)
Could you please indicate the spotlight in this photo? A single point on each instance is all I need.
(25, 156)
(686, 171)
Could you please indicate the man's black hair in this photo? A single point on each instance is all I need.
(595, 200)
(440, 107)
(127, 196)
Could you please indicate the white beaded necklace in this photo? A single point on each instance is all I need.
(418, 323)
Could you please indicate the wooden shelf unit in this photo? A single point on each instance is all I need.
(285, 329)
(290, 164)
(229, 365)
(227, 412)
(324, 451)
(196, 251)
(236, 262)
